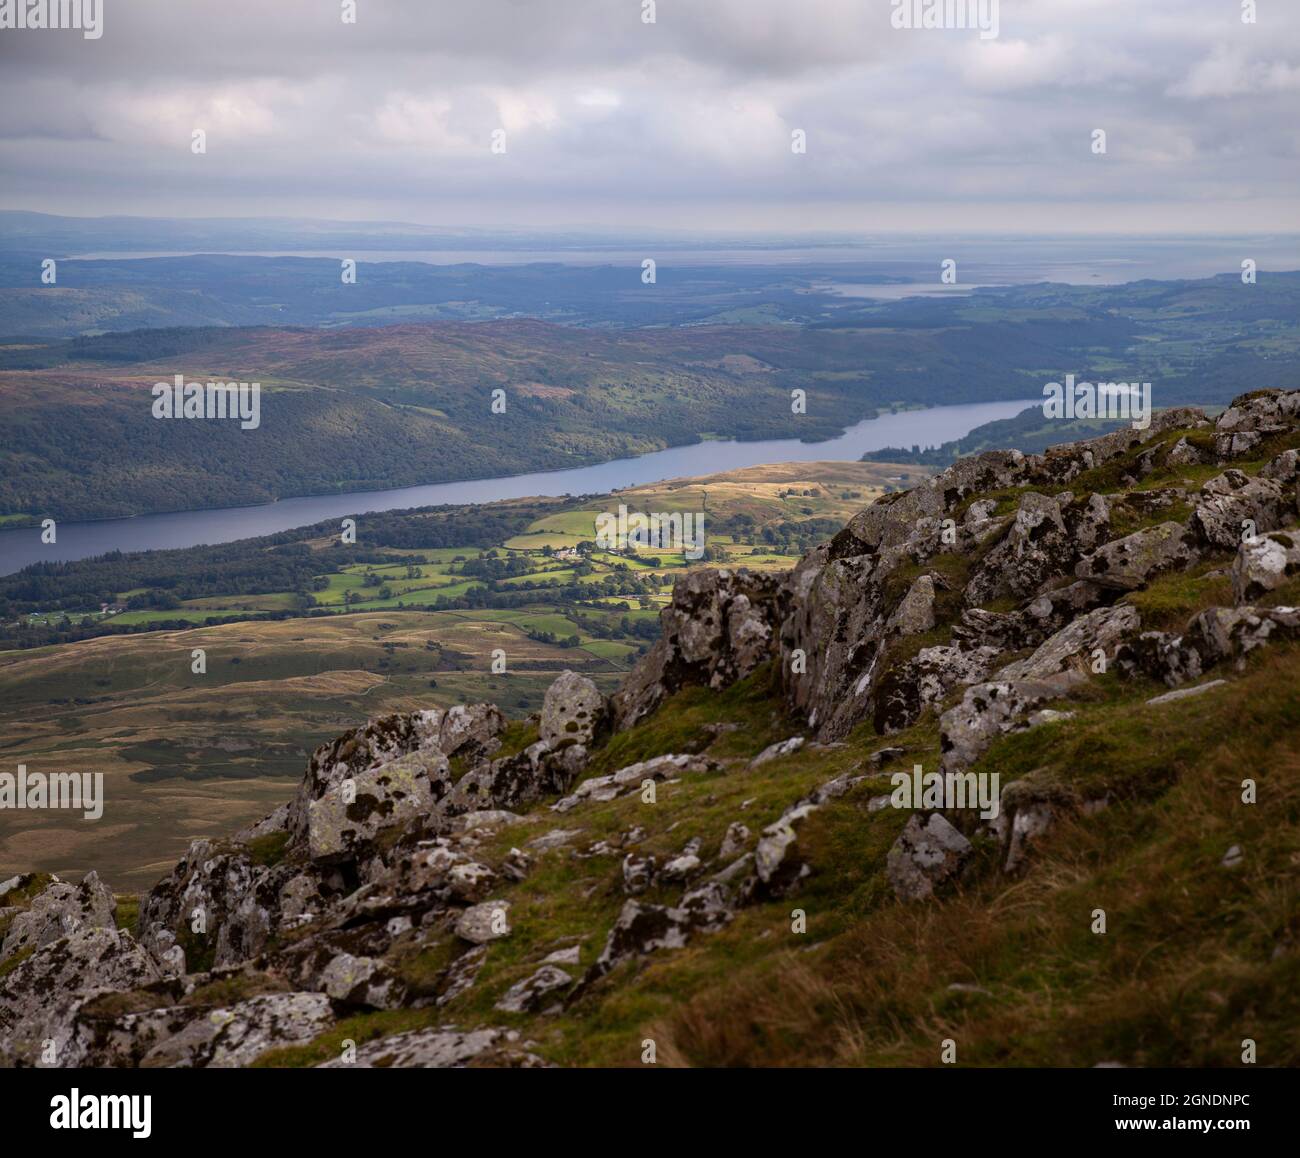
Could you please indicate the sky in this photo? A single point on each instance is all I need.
(684, 123)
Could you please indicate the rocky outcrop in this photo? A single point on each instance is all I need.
(1252, 418)
(719, 627)
(1234, 507)
(643, 928)
(430, 1049)
(385, 884)
(41, 997)
(1212, 637)
(346, 820)
(1076, 646)
(58, 910)
(467, 732)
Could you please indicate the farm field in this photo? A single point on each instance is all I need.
(188, 754)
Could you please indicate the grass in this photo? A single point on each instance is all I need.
(1195, 957)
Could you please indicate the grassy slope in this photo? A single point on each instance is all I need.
(1196, 956)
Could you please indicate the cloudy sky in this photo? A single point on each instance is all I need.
(686, 122)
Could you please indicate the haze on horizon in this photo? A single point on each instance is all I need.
(686, 123)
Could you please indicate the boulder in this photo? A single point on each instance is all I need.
(915, 614)
(602, 788)
(1213, 636)
(1253, 417)
(236, 901)
(58, 910)
(343, 826)
(990, 710)
(642, 928)
(465, 731)
(1234, 506)
(237, 1036)
(638, 873)
(429, 1049)
(1263, 564)
(778, 751)
(460, 975)
(1073, 646)
(1133, 561)
(928, 852)
(363, 981)
(484, 922)
(719, 627)
(1038, 546)
(513, 781)
(906, 690)
(734, 841)
(573, 711)
(41, 997)
(533, 992)
(778, 863)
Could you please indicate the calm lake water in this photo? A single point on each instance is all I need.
(924, 428)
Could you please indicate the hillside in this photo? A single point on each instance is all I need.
(714, 866)
(383, 406)
(302, 635)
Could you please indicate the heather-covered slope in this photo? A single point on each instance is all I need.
(710, 869)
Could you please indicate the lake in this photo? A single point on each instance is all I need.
(926, 428)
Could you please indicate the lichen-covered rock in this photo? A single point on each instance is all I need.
(638, 873)
(632, 777)
(466, 731)
(1060, 464)
(219, 904)
(1263, 564)
(533, 992)
(1252, 417)
(344, 821)
(734, 841)
(1037, 547)
(41, 996)
(990, 710)
(484, 922)
(1234, 506)
(778, 862)
(1133, 561)
(363, 981)
(573, 711)
(431, 1049)
(237, 1036)
(513, 781)
(719, 627)
(927, 853)
(907, 689)
(778, 751)
(58, 910)
(643, 928)
(1213, 636)
(915, 614)
(1074, 646)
